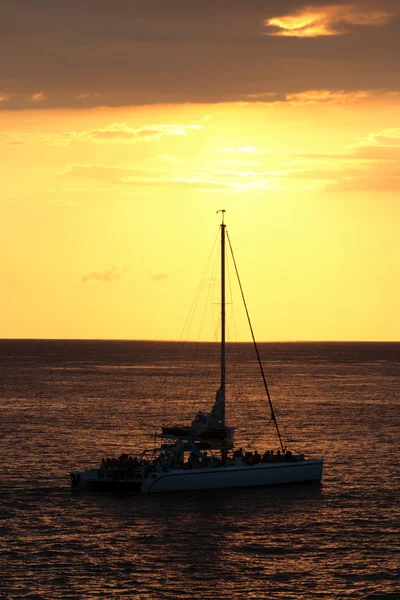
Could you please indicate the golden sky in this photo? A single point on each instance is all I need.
(124, 130)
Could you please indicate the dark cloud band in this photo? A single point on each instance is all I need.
(77, 55)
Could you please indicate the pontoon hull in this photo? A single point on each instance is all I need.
(231, 477)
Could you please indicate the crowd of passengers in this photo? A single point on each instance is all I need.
(254, 458)
(123, 462)
(173, 458)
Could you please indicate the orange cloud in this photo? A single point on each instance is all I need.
(38, 97)
(107, 277)
(122, 132)
(326, 20)
(85, 95)
(198, 179)
(116, 132)
(387, 138)
(326, 97)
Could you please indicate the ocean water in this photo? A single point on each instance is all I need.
(65, 405)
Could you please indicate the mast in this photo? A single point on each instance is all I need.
(223, 342)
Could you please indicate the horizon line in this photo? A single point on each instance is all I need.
(309, 341)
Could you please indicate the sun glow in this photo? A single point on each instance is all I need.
(107, 233)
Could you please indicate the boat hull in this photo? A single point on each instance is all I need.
(93, 480)
(175, 480)
(231, 477)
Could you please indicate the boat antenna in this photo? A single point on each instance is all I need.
(223, 211)
(273, 417)
(223, 342)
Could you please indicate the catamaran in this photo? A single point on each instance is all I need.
(202, 456)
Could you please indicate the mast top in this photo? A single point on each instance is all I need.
(223, 211)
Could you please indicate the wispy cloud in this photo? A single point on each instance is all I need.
(85, 95)
(322, 96)
(388, 138)
(113, 274)
(311, 97)
(328, 20)
(371, 163)
(375, 157)
(264, 97)
(38, 97)
(378, 146)
(198, 179)
(121, 132)
(368, 183)
(116, 132)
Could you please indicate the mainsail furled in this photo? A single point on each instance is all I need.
(205, 426)
(209, 421)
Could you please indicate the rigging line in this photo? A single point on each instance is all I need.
(255, 343)
(237, 383)
(189, 320)
(208, 365)
(213, 294)
(208, 370)
(185, 328)
(201, 284)
(210, 291)
(237, 386)
(232, 347)
(253, 436)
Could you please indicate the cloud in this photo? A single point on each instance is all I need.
(382, 146)
(374, 157)
(329, 20)
(85, 95)
(366, 184)
(378, 146)
(198, 179)
(320, 96)
(372, 163)
(116, 132)
(308, 171)
(121, 132)
(160, 276)
(38, 97)
(107, 277)
(326, 97)
(264, 97)
(387, 138)
(190, 52)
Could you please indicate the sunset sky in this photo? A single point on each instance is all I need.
(125, 126)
